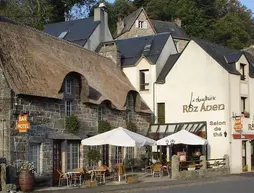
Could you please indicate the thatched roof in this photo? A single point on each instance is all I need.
(35, 63)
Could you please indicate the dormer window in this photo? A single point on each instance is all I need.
(68, 86)
(140, 24)
(144, 79)
(63, 34)
(242, 71)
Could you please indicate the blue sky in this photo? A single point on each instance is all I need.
(247, 3)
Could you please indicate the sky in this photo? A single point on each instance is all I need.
(247, 3)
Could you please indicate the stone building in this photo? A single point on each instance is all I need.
(139, 24)
(50, 79)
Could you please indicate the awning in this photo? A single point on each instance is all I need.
(159, 131)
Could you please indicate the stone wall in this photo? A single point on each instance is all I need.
(5, 115)
(204, 172)
(134, 31)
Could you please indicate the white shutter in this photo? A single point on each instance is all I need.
(136, 23)
(145, 25)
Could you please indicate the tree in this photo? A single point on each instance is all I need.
(140, 3)
(33, 13)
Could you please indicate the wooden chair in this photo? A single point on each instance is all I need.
(156, 170)
(63, 176)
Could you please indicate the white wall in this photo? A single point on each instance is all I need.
(133, 75)
(196, 72)
(168, 50)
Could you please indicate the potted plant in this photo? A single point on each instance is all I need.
(191, 167)
(26, 176)
(246, 114)
(94, 156)
(245, 168)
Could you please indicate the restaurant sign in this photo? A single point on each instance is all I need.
(22, 124)
(238, 124)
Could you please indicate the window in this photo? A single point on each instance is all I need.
(68, 86)
(161, 113)
(68, 107)
(140, 24)
(73, 156)
(144, 79)
(243, 104)
(63, 34)
(129, 153)
(100, 113)
(242, 67)
(34, 156)
(130, 107)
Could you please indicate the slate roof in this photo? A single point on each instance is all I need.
(78, 30)
(225, 56)
(173, 28)
(159, 26)
(221, 54)
(167, 67)
(132, 49)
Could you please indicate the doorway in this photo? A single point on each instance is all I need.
(244, 160)
(252, 155)
(57, 161)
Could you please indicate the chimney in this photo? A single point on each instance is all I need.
(100, 14)
(120, 25)
(178, 22)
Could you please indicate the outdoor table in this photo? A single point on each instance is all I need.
(101, 172)
(73, 173)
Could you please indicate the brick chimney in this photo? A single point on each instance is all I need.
(120, 25)
(178, 22)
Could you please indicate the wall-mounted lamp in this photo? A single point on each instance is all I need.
(225, 134)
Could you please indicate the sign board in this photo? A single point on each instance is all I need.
(22, 124)
(238, 124)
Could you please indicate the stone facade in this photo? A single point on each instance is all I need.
(47, 120)
(135, 31)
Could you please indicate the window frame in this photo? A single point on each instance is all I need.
(142, 80)
(72, 159)
(140, 24)
(37, 166)
(242, 71)
(68, 111)
(68, 86)
(159, 117)
(243, 104)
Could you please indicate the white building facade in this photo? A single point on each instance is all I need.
(200, 87)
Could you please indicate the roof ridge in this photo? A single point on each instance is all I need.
(69, 21)
(162, 21)
(153, 35)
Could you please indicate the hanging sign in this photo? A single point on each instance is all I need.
(238, 124)
(22, 124)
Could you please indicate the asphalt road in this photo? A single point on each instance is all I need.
(241, 186)
(228, 184)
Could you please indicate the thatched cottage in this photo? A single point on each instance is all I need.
(50, 79)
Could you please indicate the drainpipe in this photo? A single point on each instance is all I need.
(230, 121)
(153, 121)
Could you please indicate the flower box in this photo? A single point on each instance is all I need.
(246, 115)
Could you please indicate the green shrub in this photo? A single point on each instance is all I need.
(72, 124)
(132, 127)
(103, 126)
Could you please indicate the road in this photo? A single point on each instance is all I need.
(240, 186)
(243, 183)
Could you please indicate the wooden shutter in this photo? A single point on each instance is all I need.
(145, 24)
(161, 113)
(136, 23)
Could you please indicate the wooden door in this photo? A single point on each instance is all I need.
(57, 160)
